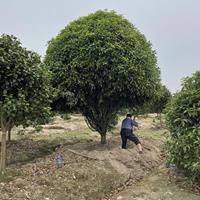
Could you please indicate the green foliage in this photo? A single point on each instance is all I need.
(66, 116)
(106, 63)
(24, 85)
(183, 120)
(38, 128)
(21, 132)
(156, 105)
(136, 110)
(141, 109)
(64, 101)
(160, 100)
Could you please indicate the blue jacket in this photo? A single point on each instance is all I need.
(128, 123)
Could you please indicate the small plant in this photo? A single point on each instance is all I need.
(21, 132)
(66, 116)
(38, 128)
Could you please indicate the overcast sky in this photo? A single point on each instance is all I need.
(172, 26)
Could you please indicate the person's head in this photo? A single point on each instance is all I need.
(129, 115)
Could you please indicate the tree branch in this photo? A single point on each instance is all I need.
(82, 155)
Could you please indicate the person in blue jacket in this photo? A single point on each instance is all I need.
(127, 128)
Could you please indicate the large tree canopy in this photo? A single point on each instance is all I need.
(183, 120)
(106, 63)
(24, 88)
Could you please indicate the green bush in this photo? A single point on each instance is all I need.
(183, 120)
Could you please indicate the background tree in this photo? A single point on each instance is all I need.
(137, 110)
(183, 120)
(160, 101)
(106, 63)
(63, 102)
(24, 89)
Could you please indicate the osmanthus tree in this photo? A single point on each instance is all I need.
(160, 101)
(106, 63)
(183, 120)
(156, 105)
(25, 91)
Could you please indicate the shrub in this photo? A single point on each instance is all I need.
(183, 120)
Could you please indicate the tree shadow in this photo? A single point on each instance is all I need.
(27, 150)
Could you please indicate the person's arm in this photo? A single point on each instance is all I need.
(134, 123)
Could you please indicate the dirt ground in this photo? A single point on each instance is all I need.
(90, 172)
(157, 186)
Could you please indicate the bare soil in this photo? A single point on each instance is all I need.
(158, 186)
(91, 170)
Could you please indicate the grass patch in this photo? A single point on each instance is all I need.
(82, 134)
(9, 175)
(157, 134)
(39, 145)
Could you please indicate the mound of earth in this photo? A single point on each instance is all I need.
(91, 171)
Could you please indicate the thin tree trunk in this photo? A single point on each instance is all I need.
(9, 134)
(3, 151)
(160, 119)
(103, 138)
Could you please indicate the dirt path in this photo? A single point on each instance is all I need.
(156, 186)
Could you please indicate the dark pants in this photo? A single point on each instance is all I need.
(128, 134)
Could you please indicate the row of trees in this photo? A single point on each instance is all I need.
(25, 91)
(156, 105)
(98, 64)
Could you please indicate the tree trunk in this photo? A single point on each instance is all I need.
(161, 124)
(3, 151)
(9, 134)
(160, 118)
(103, 138)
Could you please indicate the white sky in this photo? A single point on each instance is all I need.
(172, 26)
